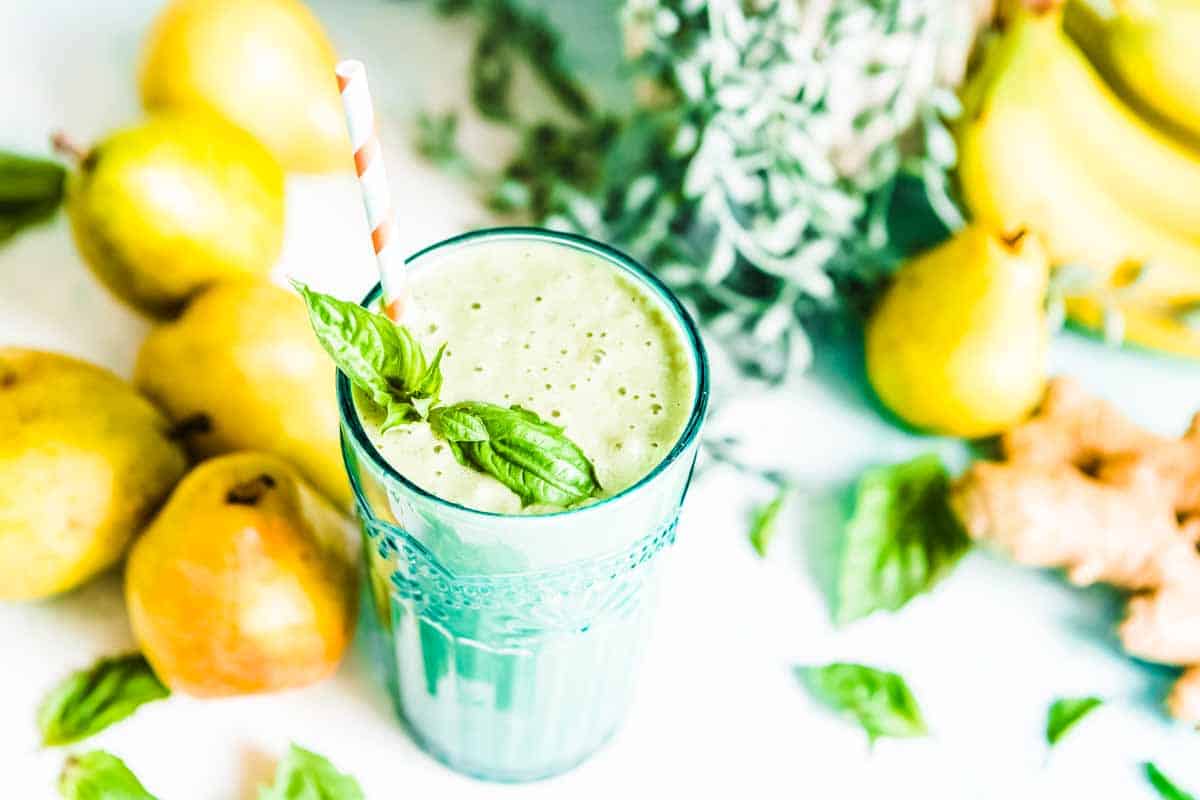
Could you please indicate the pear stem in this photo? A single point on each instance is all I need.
(187, 427)
(67, 147)
(251, 491)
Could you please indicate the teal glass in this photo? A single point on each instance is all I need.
(510, 643)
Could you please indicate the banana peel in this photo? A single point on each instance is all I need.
(1154, 327)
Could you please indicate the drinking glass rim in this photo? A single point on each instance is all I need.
(351, 421)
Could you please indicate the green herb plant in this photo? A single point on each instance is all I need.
(304, 775)
(31, 190)
(301, 775)
(1163, 785)
(776, 167)
(384, 361)
(1065, 712)
(901, 539)
(100, 776)
(879, 701)
(763, 525)
(90, 700)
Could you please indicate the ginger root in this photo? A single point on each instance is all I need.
(1082, 488)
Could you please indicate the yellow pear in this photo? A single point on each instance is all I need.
(242, 361)
(265, 65)
(84, 462)
(245, 581)
(171, 205)
(958, 343)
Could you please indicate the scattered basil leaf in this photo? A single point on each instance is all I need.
(901, 540)
(763, 525)
(1065, 712)
(31, 190)
(879, 701)
(380, 357)
(1163, 785)
(90, 700)
(514, 445)
(99, 776)
(304, 775)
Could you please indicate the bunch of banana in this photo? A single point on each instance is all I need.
(1047, 146)
(1147, 51)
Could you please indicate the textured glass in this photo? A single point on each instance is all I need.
(510, 643)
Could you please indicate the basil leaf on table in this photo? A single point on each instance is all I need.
(1163, 785)
(31, 190)
(901, 540)
(516, 447)
(1065, 712)
(304, 775)
(763, 525)
(879, 701)
(90, 700)
(99, 776)
(381, 358)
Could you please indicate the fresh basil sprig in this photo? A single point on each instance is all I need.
(304, 775)
(514, 445)
(879, 701)
(1065, 712)
(99, 776)
(90, 700)
(380, 357)
(901, 540)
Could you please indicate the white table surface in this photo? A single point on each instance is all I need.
(718, 710)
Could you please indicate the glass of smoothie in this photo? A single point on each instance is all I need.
(510, 635)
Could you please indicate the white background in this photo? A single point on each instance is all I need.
(718, 710)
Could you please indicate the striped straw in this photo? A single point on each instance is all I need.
(372, 179)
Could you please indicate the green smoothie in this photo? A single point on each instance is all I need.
(558, 331)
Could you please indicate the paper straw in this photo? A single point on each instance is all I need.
(373, 181)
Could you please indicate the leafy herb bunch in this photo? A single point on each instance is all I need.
(774, 146)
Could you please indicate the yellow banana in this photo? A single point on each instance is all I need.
(1155, 175)
(1046, 146)
(1159, 328)
(1149, 50)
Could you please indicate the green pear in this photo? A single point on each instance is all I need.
(84, 461)
(176, 203)
(958, 342)
(242, 361)
(265, 65)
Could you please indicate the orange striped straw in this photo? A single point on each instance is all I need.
(373, 180)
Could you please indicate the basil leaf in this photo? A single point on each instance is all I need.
(31, 190)
(1065, 712)
(901, 540)
(1163, 785)
(532, 457)
(879, 701)
(457, 425)
(304, 775)
(762, 527)
(99, 776)
(90, 700)
(381, 358)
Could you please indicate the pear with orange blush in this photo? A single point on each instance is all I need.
(245, 582)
